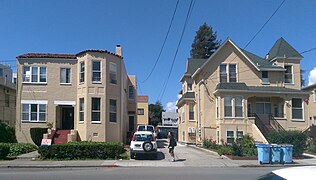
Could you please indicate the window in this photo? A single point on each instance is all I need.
(288, 75)
(81, 110)
(189, 84)
(191, 111)
(240, 134)
(297, 108)
(223, 73)
(7, 100)
(230, 137)
(81, 72)
(265, 77)
(238, 106)
(34, 112)
(95, 110)
(34, 74)
(314, 95)
(113, 110)
(113, 75)
(232, 73)
(228, 110)
(140, 111)
(183, 117)
(65, 75)
(131, 94)
(96, 71)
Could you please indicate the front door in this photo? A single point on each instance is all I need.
(131, 123)
(67, 115)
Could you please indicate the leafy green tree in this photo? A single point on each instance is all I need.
(155, 112)
(7, 133)
(205, 42)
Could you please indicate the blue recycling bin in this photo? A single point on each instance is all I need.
(263, 153)
(286, 153)
(275, 153)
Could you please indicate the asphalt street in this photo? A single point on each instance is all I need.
(132, 173)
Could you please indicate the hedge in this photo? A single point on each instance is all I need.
(7, 133)
(296, 138)
(4, 150)
(17, 149)
(82, 150)
(37, 135)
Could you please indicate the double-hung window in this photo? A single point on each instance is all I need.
(96, 71)
(140, 111)
(113, 111)
(34, 74)
(113, 73)
(81, 109)
(223, 73)
(131, 93)
(228, 108)
(238, 106)
(33, 112)
(297, 108)
(191, 111)
(240, 134)
(96, 110)
(81, 78)
(288, 75)
(232, 73)
(65, 76)
(230, 137)
(265, 77)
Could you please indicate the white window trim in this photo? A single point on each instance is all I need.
(129, 98)
(81, 122)
(228, 72)
(298, 120)
(262, 78)
(230, 137)
(82, 72)
(38, 75)
(291, 73)
(237, 133)
(70, 76)
(219, 72)
(232, 105)
(34, 102)
(92, 71)
(92, 121)
(242, 107)
(38, 113)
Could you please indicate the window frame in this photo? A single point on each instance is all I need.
(111, 112)
(140, 111)
(81, 72)
(113, 73)
(242, 107)
(38, 112)
(285, 73)
(191, 111)
(61, 75)
(231, 105)
(265, 80)
(297, 108)
(229, 72)
(230, 137)
(95, 111)
(223, 74)
(93, 71)
(35, 71)
(81, 110)
(131, 92)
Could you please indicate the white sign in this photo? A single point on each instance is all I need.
(46, 142)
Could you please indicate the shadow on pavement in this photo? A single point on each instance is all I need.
(162, 143)
(180, 160)
(160, 156)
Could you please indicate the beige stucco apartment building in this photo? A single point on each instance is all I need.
(7, 96)
(311, 103)
(88, 93)
(142, 110)
(235, 92)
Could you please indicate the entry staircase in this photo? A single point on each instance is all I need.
(267, 126)
(60, 136)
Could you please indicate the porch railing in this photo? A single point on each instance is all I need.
(275, 124)
(262, 127)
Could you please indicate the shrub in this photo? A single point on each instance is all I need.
(296, 138)
(4, 150)
(21, 148)
(225, 150)
(210, 144)
(7, 133)
(82, 150)
(37, 135)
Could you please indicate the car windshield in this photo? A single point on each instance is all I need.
(150, 128)
(143, 137)
(141, 128)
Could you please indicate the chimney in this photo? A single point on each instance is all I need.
(118, 50)
(267, 56)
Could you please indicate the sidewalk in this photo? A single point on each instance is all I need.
(187, 156)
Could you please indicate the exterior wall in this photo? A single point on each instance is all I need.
(142, 119)
(7, 106)
(296, 68)
(51, 91)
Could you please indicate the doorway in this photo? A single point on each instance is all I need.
(67, 117)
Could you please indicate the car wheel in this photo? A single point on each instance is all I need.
(147, 146)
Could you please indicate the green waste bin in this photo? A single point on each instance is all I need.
(286, 153)
(263, 153)
(275, 153)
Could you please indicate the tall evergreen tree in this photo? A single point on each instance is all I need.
(205, 42)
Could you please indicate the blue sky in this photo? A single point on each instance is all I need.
(71, 26)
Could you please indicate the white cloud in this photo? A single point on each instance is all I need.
(312, 77)
(179, 96)
(171, 106)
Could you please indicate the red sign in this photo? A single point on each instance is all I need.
(46, 142)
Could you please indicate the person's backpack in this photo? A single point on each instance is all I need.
(174, 141)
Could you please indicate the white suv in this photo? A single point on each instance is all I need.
(143, 142)
(150, 128)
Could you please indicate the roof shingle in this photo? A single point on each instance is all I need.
(47, 55)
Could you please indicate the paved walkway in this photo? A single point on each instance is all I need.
(186, 156)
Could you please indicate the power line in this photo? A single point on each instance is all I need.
(163, 44)
(174, 58)
(308, 50)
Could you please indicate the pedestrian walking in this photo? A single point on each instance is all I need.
(172, 144)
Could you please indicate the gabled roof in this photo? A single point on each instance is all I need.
(282, 49)
(310, 87)
(260, 63)
(186, 96)
(47, 55)
(194, 64)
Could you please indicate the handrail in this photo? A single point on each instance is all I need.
(263, 128)
(275, 124)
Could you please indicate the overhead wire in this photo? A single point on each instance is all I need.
(176, 52)
(163, 44)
